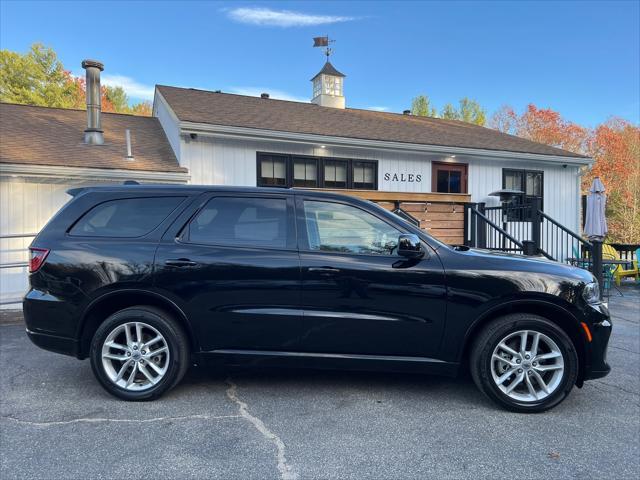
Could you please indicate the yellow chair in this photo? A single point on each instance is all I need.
(609, 270)
(620, 272)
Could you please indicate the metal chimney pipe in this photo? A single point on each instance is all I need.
(93, 135)
(127, 134)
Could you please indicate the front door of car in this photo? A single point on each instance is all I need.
(234, 268)
(358, 296)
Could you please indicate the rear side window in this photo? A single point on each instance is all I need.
(126, 217)
(241, 221)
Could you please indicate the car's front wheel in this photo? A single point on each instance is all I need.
(524, 362)
(139, 353)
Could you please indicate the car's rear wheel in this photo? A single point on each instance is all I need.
(139, 353)
(524, 362)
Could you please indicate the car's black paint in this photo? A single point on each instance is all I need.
(295, 306)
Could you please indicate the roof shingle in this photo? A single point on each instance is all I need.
(54, 136)
(213, 108)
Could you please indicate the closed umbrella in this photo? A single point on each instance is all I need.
(595, 226)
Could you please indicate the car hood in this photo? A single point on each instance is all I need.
(517, 262)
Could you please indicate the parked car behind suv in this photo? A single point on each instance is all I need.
(145, 280)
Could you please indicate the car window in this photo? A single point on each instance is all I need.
(334, 227)
(241, 221)
(125, 217)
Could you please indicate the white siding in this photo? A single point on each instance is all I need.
(216, 161)
(561, 194)
(25, 207)
(169, 124)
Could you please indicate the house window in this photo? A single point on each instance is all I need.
(317, 86)
(364, 174)
(530, 182)
(449, 177)
(335, 173)
(272, 171)
(281, 170)
(305, 172)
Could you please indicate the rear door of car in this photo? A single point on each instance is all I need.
(233, 266)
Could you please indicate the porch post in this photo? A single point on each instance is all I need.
(536, 219)
(596, 252)
(482, 228)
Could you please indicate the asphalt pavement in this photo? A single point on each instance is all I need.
(57, 422)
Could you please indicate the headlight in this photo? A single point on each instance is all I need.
(591, 293)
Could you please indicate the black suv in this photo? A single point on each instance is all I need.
(145, 280)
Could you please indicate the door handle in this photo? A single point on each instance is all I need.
(323, 270)
(180, 262)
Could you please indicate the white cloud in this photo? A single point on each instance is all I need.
(277, 94)
(282, 18)
(132, 88)
(378, 109)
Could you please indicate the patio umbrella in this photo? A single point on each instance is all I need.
(595, 225)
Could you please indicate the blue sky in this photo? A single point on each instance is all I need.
(580, 58)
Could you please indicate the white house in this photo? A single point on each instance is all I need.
(430, 167)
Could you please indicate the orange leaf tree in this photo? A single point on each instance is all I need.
(615, 147)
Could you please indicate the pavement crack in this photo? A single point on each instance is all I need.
(616, 387)
(286, 471)
(624, 349)
(118, 420)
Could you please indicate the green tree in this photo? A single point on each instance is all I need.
(449, 112)
(421, 106)
(118, 98)
(35, 78)
(39, 78)
(471, 112)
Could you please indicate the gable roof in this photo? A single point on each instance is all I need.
(201, 106)
(54, 136)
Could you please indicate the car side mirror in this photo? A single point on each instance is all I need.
(410, 246)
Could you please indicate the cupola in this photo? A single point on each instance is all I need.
(328, 87)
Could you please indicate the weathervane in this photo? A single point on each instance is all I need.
(324, 42)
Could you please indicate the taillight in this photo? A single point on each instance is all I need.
(38, 256)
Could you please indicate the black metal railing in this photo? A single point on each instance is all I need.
(407, 216)
(404, 214)
(480, 231)
(529, 225)
(512, 219)
(560, 243)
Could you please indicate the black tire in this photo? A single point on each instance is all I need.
(177, 343)
(498, 329)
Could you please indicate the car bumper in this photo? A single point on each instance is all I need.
(49, 323)
(600, 328)
(53, 343)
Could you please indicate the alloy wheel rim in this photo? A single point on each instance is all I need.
(135, 356)
(527, 366)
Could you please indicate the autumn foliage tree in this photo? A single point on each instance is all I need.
(542, 125)
(39, 78)
(615, 147)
